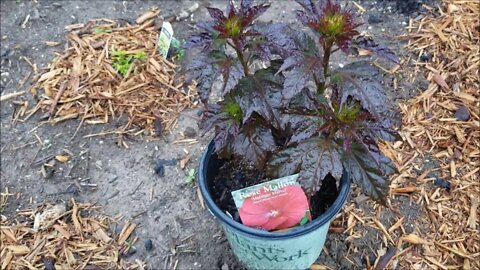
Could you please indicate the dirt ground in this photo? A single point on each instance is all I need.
(121, 180)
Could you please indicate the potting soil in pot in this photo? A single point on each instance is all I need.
(234, 175)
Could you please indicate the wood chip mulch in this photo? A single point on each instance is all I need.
(53, 237)
(81, 81)
(433, 216)
(442, 124)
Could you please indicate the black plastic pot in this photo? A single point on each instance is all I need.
(296, 248)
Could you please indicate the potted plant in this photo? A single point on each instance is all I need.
(284, 111)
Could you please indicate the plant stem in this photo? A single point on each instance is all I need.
(327, 51)
(326, 57)
(242, 60)
(240, 57)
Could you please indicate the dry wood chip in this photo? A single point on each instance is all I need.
(83, 80)
(24, 248)
(147, 15)
(431, 129)
(18, 249)
(126, 232)
(62, 158)
(472, 219)
(52, 43)
(440, 81)
(414, 239)
(382, 228)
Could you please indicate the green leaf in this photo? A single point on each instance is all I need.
(98, 30)
(304, 220)
(140, 55)
(190, 177)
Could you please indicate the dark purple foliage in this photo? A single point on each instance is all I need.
(273, 110)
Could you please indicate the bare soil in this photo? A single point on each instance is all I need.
(123, 181)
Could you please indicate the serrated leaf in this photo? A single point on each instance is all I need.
(313, 159)
(362, 83)
(204, 73)
(260, 93)
(225, 126)
(205, 70)
(232, 72)
(306, 19)
(252, 12)
(216, 14)
(308, 5)
(305, 130)
(364, 170)
(303, 72)
(225, 134)
(254, 142)
(303, 65)
(367, 43)
(203, 40)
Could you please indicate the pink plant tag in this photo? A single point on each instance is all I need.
(274, 205)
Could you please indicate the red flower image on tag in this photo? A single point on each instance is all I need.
(275, 210)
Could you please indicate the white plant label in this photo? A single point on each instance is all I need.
(165, 38)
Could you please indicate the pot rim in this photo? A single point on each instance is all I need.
(325, 218)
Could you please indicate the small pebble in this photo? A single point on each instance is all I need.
(49, 263)
(131, 251)
(442, 183)
(148, 245)
(373, 19)
(462, 114)
(157, 124)
(224, 266)
(190, 132)
(425, 57)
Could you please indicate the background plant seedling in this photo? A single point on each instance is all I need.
(122, 61)
(190, 177)
(99, 30)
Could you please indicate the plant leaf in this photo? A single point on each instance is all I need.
(363, 169)
(225, 134)
(367, 43)
(308, 5)
(304, 130)
(260, 93)
(226, 129)
(254, 142)
(232, 72)
(306, 19)
(203, 71)
(252, 12)
(313, 159)
(304, 63)
(206, 69)
(216, 14)
(203, 40)
(360, 84)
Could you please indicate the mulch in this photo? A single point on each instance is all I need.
(64, 236)
(83, 80)
(438, 160)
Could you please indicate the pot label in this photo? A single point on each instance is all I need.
(165, 38)
(274, 205)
